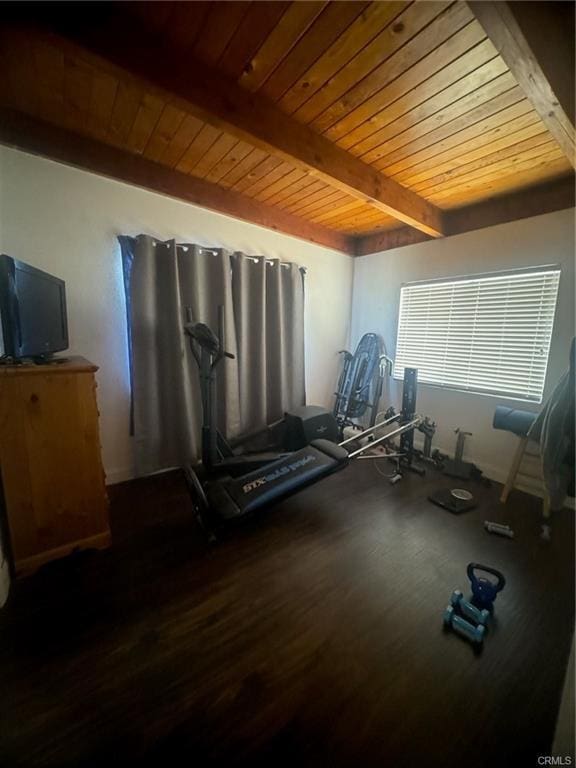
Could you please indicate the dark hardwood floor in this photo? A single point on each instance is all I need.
(312, 637)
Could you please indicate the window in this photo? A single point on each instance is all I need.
(487, 333)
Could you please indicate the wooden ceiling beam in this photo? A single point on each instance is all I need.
(534, 201)
(113, 42)
(536, 41)
(388, 240)
(30, 135)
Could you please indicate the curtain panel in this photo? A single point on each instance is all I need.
(263, 302)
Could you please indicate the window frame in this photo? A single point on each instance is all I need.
(543, 268)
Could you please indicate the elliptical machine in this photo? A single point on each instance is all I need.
(296, 430)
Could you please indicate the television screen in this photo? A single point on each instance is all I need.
(33, 310)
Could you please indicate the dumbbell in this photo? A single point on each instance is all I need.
(469, 610)
(463, 627)
(501, 530)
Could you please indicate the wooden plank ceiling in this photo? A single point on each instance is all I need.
(415, 90)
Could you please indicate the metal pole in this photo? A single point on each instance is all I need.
(399, 431)
(382, 456)
(370, 430)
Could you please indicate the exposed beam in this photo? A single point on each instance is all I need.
(536, 41)
(203, 92)
(388, 239)
(25, 133)
(552, 196)
(533, 201)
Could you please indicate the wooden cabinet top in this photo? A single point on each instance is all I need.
(72, 365)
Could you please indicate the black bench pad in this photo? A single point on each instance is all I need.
(234, 497)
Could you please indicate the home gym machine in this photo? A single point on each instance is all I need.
(294, 431)
(226, 488)
(406, 457)
(223, 499)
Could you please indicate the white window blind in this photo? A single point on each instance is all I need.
(488, 334)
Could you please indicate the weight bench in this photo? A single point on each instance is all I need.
(235, 497)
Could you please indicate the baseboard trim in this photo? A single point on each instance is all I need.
(27, 565)
(123, 475)
(115, 476)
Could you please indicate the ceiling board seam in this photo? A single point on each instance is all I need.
(147, 146)
(235, 33)
(447, 125)
(396, 52)
(180, 157)
(278, 97)
(430, 118)
(455, 157)
(356, 53)
(294, 43)
(511, 152)
(489, 171)
(421, 84)
(429, 99)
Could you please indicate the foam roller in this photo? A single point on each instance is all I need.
(513, 420)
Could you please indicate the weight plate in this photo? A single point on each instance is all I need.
(460, 493)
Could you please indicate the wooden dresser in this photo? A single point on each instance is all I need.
(52, 477)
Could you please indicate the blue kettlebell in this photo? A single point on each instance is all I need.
(484, 591)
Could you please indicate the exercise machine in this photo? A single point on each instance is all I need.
(294, 431)
(361, 382)
(219, 498)
(410, 458)
(227, 498)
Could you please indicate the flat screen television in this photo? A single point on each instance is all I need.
(32, 311)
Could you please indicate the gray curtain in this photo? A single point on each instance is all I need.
(268, 301)
(264, 327)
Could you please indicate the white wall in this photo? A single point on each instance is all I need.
(66, 221)
(547, 239)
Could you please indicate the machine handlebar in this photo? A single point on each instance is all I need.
(205, 337)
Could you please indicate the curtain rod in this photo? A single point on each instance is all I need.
(214, 251)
